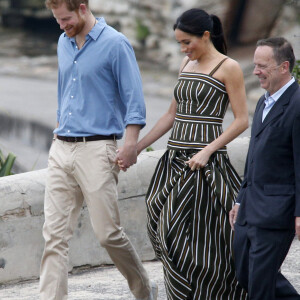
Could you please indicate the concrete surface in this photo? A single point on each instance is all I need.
(106, 283)
(96, 284)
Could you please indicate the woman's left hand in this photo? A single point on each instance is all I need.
(199, 160)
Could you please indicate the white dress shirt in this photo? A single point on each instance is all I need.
(271, 99)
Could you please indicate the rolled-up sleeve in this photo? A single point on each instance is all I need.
(127, 75)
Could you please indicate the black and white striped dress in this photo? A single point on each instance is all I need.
(188, 221)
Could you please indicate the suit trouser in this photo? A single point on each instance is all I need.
(259, 254)
(78, 171)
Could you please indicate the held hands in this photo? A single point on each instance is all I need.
(233, 215)
(126, 157)
(199, 160)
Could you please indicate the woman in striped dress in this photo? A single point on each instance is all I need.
(194, 185)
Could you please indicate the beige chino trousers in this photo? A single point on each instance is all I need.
(77, 172)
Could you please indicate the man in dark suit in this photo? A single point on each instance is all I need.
(267, 212)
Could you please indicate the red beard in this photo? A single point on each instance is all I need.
(72, 31)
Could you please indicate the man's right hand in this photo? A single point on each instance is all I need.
(126, 157)
(233, 215)
(297, 227)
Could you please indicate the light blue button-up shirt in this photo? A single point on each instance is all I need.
(270, 100)
(99, 86)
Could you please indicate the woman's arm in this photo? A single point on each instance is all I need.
(234, 82)
(232, 76)
(163, 125)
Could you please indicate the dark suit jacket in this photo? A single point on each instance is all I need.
(270, 193)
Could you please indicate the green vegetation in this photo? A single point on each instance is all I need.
(296, 71)
(6, 164)
(142, 31)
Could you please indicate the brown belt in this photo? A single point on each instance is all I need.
(76, 139)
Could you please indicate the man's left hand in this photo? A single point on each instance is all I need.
(297, 227)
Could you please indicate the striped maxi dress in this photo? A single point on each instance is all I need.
(188, 211)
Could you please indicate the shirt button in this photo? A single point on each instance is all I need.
(72, 96)
(75, 61)
(68, 130)
(70, 114)
(74, 79)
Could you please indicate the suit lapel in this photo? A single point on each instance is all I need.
(278, 107)
(257, 121)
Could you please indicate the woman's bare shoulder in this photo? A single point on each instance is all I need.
(231, 64)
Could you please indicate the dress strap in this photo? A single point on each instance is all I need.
(217, 67)
(188, 60)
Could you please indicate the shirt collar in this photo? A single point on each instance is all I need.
(95, 31)
(98, 28)
(278, 94)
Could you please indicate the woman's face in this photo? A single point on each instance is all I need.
(191, 45)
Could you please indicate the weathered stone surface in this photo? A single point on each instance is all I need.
(159, 16)
(288, 25)
(258, 25)
(237, 151)
(109, 7)
(21, 192)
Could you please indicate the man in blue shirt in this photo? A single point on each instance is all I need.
(99, 94)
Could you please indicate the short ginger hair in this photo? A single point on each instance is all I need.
(71, 4)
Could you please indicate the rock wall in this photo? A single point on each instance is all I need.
(148, 24)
